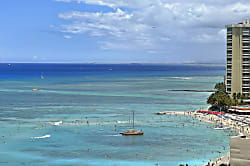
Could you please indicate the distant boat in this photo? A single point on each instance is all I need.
(132, 131)
(220, 127)
(9, 64)
(36, 89)
(42, 77)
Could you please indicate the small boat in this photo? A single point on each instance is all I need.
(132, 131)
(9, 64)
(42, 77)
(36, 89)
(222, 128)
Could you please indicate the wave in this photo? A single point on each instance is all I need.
(116, 135)
(45, 136)
(183, 78)
(118, 121)
(56, 123)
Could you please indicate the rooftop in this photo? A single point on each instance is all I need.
(245, 23)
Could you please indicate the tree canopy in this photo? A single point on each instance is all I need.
(220, 99)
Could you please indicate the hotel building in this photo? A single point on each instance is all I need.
(238, 58)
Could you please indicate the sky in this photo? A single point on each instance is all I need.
(117, 31)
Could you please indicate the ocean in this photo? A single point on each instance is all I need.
(76, 116)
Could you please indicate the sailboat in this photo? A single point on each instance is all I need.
(132, 131)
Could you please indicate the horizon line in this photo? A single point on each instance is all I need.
(184, 63)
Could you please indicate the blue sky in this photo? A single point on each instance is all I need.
(117, 31)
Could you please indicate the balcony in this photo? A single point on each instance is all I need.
(245, 39)
(245, 47)
(245, 57)
(245, 70)
(246, 79)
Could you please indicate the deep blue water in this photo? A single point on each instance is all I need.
(104, 95)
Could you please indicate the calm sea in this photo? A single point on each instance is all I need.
(76, 116)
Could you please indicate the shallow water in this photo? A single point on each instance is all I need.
(105, 96)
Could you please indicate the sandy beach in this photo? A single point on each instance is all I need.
(236, 124)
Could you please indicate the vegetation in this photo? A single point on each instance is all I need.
(220, 98)
(238, 98)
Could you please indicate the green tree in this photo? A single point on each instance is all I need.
(220, 87)
(220, 99)
(238, 96)
(234, 96)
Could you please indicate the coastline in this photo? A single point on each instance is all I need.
(232, 125)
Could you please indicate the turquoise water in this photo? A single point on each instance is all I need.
(95, 104)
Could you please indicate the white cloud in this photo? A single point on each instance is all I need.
(151, 25)
(67, 37)
(118, 3)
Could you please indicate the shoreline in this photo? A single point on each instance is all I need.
(190, 90)
(233, 125)
(226, 122)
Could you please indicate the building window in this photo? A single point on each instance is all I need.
(245, 51)
(245, 90)
(245, 74)
(245, 36)
(229, 51)
(245, 82)
(245, 29)
(246, 44)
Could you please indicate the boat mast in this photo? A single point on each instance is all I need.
(133, 119)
